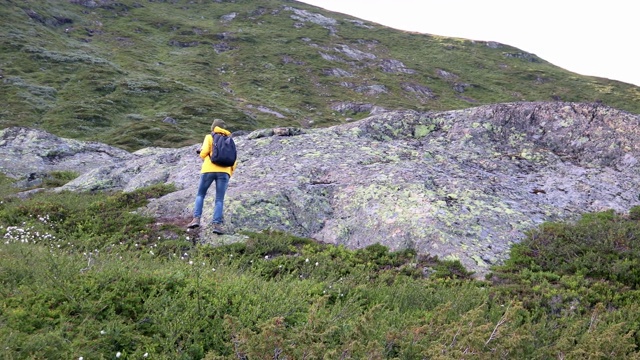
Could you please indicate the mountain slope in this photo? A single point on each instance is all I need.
(136, 74)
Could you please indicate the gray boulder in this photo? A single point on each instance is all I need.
(26, 152)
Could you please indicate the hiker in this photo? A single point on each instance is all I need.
(210, 172)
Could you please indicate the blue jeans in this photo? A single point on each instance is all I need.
(222, 181)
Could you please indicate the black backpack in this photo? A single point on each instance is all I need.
(224, 150)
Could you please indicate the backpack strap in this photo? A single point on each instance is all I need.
(213, 136)
(213, 143)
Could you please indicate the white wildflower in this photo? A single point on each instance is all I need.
(306, 260)
(118, 354)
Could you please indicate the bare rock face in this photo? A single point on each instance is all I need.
(462, 184)
(27, 152)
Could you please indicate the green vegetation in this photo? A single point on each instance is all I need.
(83, 275)
(58, 178)
(115, 71)
(50, 180)
(6, 186)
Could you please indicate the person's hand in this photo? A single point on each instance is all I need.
(198, 151)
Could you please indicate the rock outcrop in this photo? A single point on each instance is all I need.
(462, 184)
(29, 154)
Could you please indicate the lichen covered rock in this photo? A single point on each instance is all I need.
(459, 184)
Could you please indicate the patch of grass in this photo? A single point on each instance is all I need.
(50, 180)
(6, 186)
(58, 178)
(80, 221)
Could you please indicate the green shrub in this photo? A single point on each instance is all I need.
(601, 245)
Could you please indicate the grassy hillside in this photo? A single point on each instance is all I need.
(140, 73)
(83, 276)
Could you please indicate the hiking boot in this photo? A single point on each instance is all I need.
(217, 229)
(194, 223)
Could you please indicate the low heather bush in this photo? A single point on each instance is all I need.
(84, 276)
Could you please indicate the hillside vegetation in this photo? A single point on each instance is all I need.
(84, 276)
(155, 73)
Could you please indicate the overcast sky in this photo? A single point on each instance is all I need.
(588, 37)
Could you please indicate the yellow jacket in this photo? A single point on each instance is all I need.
(206, 151)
